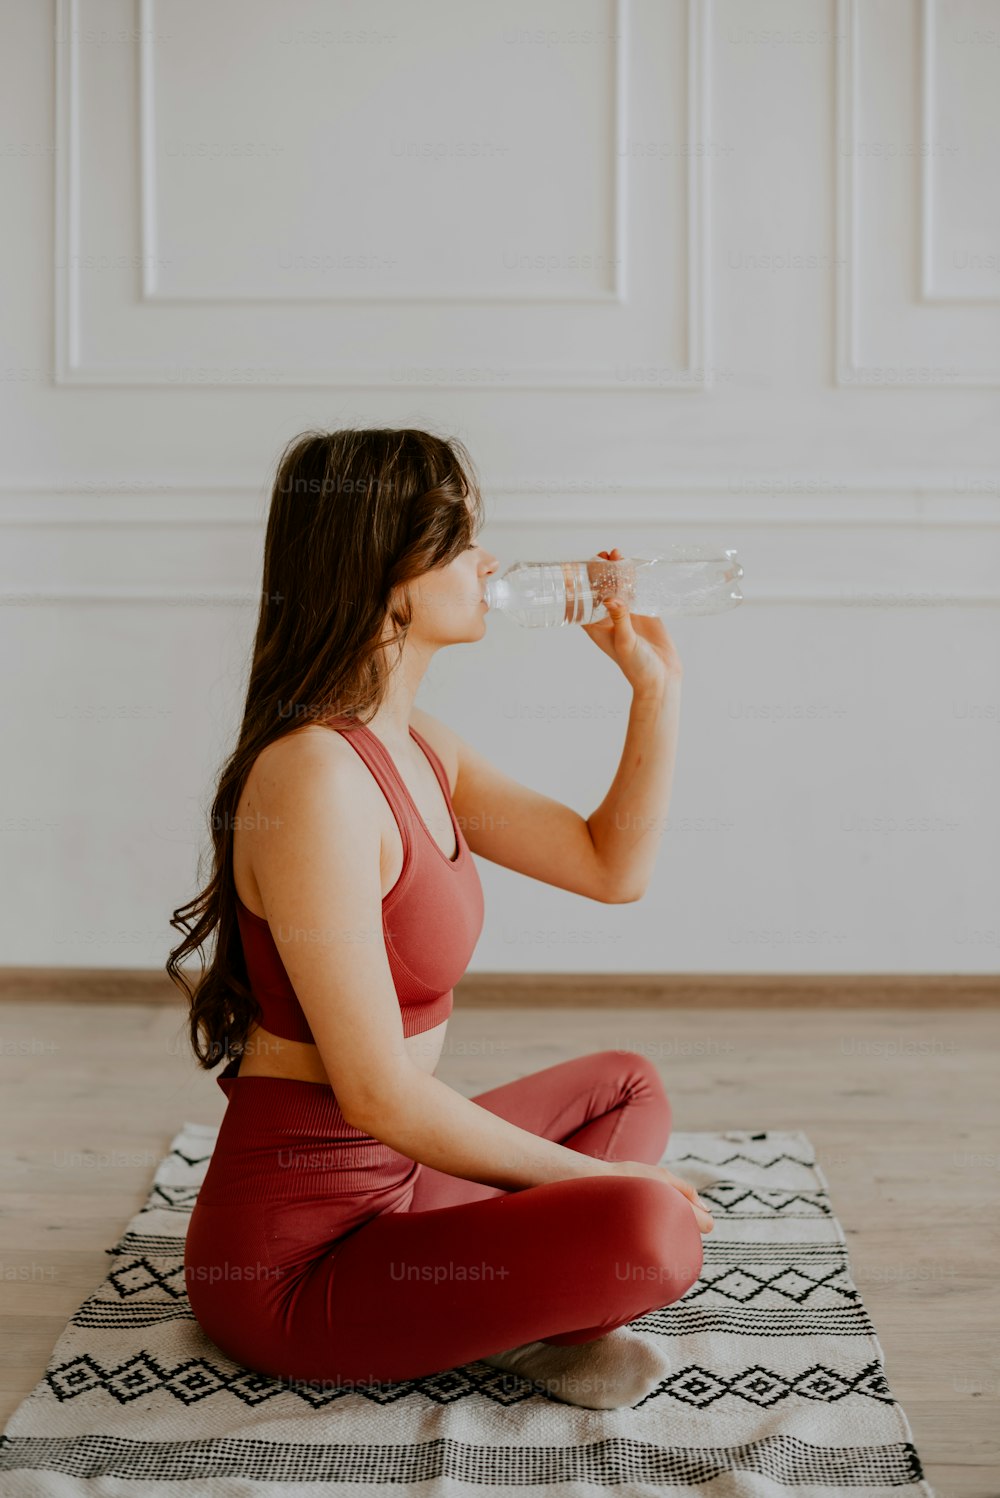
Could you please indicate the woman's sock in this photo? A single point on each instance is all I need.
(607, 1373)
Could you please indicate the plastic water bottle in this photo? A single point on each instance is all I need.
(684, 580)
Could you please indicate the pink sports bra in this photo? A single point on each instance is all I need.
(431, 918)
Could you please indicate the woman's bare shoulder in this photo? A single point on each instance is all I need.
(305, 752)
(306, 772)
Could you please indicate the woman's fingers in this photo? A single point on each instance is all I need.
(701, 1208)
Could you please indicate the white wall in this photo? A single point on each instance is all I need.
(767, 313)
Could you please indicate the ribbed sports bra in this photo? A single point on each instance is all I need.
(431, 918)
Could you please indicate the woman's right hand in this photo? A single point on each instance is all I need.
(661, 1173)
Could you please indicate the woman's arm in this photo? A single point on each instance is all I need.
(424, 1118)
(626, 826)
(608, 856)
(315, 854)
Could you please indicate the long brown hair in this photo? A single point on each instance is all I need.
(353, 515)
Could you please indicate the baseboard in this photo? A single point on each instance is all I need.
(574, 990)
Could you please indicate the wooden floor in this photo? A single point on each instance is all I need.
(902, 1110)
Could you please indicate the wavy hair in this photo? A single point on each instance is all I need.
(354, 516)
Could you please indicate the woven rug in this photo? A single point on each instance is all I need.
(777, 1384)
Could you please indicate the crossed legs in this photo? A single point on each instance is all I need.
(469, 1270)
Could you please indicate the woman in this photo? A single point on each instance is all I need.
(359, 1219)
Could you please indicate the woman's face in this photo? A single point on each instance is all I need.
(448, 604)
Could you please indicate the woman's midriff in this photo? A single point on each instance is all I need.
(267, 1055)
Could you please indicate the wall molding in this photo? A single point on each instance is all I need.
(70, 368)
(525, 505)
(928, 293)
(760, 500)
(146, 127)
(849, 371)
(238, 597)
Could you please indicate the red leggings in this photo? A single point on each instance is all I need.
(321, 1258)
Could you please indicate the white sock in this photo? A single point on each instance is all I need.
(607, 1373)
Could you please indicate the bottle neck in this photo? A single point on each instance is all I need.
(497, 591)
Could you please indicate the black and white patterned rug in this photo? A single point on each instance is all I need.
(777, 1384)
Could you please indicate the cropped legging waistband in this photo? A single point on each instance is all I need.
(282, 1140)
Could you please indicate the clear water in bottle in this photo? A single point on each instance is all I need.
(686, 579)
